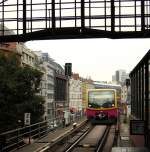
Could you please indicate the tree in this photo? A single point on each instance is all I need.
(18, 93)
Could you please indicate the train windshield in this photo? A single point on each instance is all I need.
(101, 99)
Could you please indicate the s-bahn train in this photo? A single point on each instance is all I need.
(102, 106)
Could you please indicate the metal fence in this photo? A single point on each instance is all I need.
(140, 93)
(20, 137)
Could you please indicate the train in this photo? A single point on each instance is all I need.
(103, 105)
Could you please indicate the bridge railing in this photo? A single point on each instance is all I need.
(27, 16)
(19, 137)
(20, 17)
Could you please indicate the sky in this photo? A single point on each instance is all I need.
(95, 58)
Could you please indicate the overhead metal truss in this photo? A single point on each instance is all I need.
(24, 20)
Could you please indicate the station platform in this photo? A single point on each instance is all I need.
(127, 142)
(129, 149)
(51, 137)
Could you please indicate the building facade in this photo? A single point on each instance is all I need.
(46, 65)
(56, 105)
(75, 95)
(28, 56)
(61, 102)
(121, 76)
(8, 51)
(86, 84)
(124, 92)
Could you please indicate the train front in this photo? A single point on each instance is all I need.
(102, 106)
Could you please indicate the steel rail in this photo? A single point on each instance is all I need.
(56, 143)
(103, 139)
(78, 140)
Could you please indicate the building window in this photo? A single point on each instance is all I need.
(50, 86)
(50, 96)
(60, 89)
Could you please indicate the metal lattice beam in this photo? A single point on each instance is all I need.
(23, 20)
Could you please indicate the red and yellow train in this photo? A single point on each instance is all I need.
(102, 105)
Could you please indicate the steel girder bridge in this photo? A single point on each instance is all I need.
(24, 20)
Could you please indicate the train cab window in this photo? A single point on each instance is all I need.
(101, 99)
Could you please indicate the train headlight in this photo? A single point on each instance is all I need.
(89, 105)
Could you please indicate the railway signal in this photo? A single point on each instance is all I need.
(68, 69)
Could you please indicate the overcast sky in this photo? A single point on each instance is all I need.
(97, 58)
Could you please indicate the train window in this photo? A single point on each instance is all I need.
(101, 99)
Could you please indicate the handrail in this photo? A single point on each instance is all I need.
(19, 137)
(15, 138)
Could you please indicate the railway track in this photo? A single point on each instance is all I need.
(97, 138)
(94, 141)
(66, 142)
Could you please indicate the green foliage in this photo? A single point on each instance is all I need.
(18, 93)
